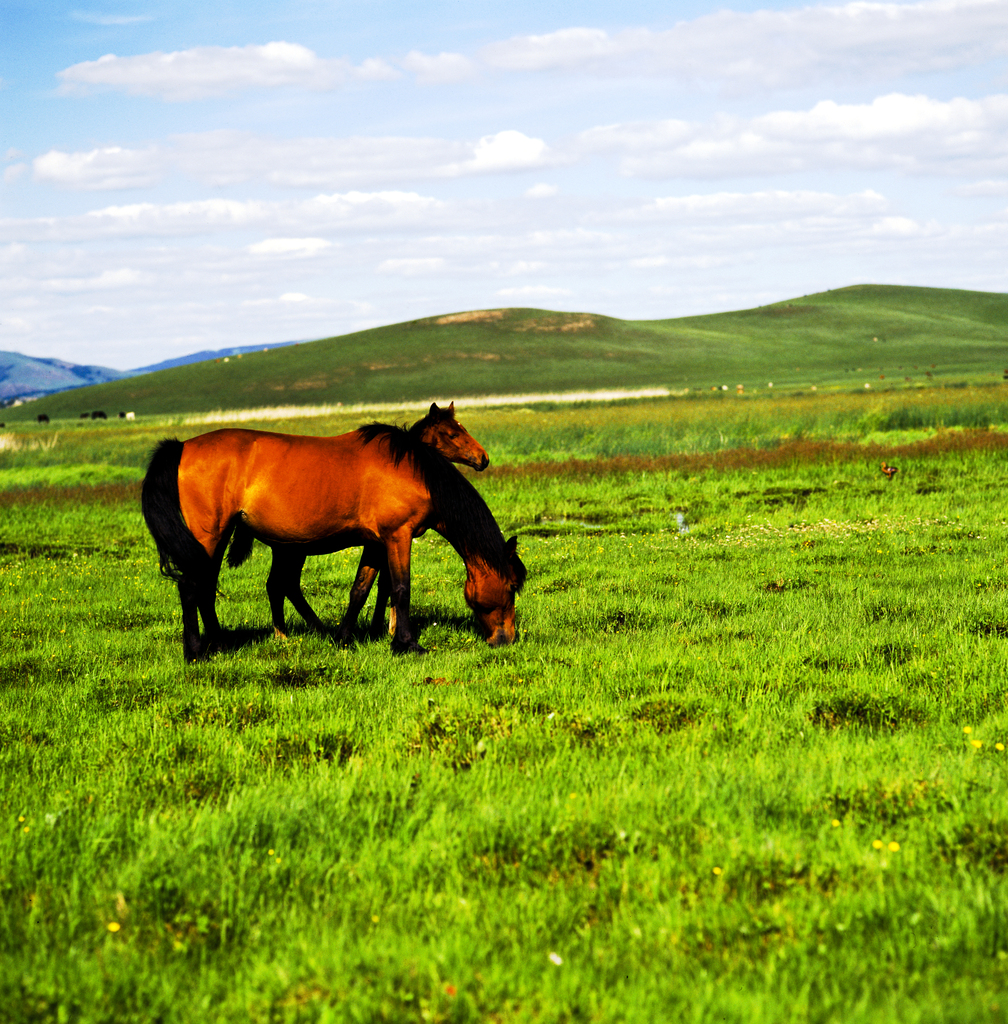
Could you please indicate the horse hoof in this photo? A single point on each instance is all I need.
(409, 648)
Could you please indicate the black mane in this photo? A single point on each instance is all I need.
(467, 522)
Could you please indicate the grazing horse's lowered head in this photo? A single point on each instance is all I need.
(491, 595)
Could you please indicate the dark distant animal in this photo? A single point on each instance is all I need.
(85, 415)
(440, 430)
(98, 415)
(378, 487)
(42, 418)
(122, 415)
(890, 471)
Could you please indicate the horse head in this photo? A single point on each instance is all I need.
(442, 431)
(491, 595)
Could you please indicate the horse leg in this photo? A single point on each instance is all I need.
(284, 581)
(381, 602)
(398, 552)
(372, 559)
(188, 595)
(206, 599)
(277, 586)
(292, 586)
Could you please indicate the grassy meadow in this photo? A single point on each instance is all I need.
(885, 337)
(746, 763)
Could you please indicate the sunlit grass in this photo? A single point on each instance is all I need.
(746, 762)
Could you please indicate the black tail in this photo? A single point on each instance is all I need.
(180, 555)
(241, 544)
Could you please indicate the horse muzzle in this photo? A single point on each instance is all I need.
(500, 637)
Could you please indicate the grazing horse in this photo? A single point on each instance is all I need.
(440, 430)
(378, 487)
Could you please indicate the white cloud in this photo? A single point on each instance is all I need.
(224, 157)
(372, 211)
(982, 189)
(13, 172)
(526, 267)
(443, 69)
(533, 291)
(374, 69)
(293, 297)
(229, 157)
(109, 168)
(205, 71)
(506, 151)
(565, 49)
(109, 19)
(777, 48)
(412, 267)
(123, 277)
(289, 246)
(777, 205)
(913, 135)
(910, 134)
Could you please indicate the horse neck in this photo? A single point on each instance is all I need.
(476, 561)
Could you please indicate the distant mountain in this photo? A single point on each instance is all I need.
(206, 354)
(30, 377)
(25, 376)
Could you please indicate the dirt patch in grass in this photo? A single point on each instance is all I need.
(233, 717)
(867, 711)
(888, 803)
(983, 845)
(296, 749)
(475, 316)
(666, 715)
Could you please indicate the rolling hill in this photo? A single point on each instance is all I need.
(879, 335)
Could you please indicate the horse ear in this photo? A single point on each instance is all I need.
(511, 546)
(433, 411)
(451, 409)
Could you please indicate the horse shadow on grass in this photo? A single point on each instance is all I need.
(230, 640)
(419, 621)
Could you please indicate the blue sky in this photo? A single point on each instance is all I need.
(187, 176)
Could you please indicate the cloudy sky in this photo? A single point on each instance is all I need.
(180, 176)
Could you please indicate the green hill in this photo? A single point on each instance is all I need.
(882, 335)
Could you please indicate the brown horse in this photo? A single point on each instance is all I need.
(378, 487)
(440, 430)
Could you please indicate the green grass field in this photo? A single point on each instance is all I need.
(887, 337)
(750, 772)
